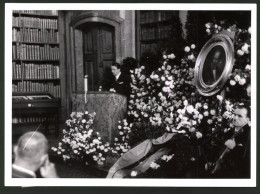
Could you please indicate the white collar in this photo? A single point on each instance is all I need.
(24, 170)
(117, 76)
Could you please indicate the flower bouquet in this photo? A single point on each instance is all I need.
(80, 142)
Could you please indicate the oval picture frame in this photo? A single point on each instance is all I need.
(214, 64)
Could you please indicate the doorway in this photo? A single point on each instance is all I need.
(98, 52)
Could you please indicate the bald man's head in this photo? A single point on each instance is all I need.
(31, 147)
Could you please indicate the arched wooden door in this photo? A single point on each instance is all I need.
(99, 52)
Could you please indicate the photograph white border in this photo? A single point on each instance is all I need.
(123, 182)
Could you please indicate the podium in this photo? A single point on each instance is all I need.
(109, 108)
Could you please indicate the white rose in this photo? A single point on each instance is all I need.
(165, 56)
(216, 26)
(164, 89)
(242, 81)
(163, 78)
(167, 83)
(171, 56)
(193, 46)
(185, 102)
(232, 82)
(208, 31)
(95, 141)
(205, 106)
(191, 57)
(249, 30)
(248, 67)
(240, 52)
(237, 78)
(194, 122)
(206, 113)
(212, 112)
(207, 25)
(210, 121)
(192, 129)
(187, 49)
(245, 47)
(198, 135)
(190, 109)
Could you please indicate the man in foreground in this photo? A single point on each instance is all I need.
(234, 160)
(31, 155)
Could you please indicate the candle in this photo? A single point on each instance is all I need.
(86, 83)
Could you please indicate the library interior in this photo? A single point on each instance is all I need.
(131, 93)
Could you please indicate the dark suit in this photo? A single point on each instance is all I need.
(236, 163)
(122, 84)
(16, 173)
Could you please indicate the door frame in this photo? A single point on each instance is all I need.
(76, 44)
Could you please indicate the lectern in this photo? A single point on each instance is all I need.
(109, 107)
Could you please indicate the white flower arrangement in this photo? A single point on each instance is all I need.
(80, 142)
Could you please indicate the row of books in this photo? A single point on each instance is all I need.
(155, 16)
(39, 12)
(35, 22)
(35, 52)
(35, 71)
(35, 35)
(20, 120)
(34, 86)
(155, 32)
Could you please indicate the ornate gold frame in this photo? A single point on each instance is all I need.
(226, 43)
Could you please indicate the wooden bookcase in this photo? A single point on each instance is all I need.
(35, 52)
(153, 30)
(35, 59)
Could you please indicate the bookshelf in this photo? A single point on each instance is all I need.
(36, 66)
(35, 52)
(153, 30)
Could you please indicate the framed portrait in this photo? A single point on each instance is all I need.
(214, 64)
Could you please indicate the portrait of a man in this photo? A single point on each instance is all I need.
(214, 65)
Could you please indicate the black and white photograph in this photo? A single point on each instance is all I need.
(120, 94)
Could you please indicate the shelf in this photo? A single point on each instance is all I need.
(26, 42)
(37, 60)
(35, 27)
(39, 33)
(36, 15)
(41, 80)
